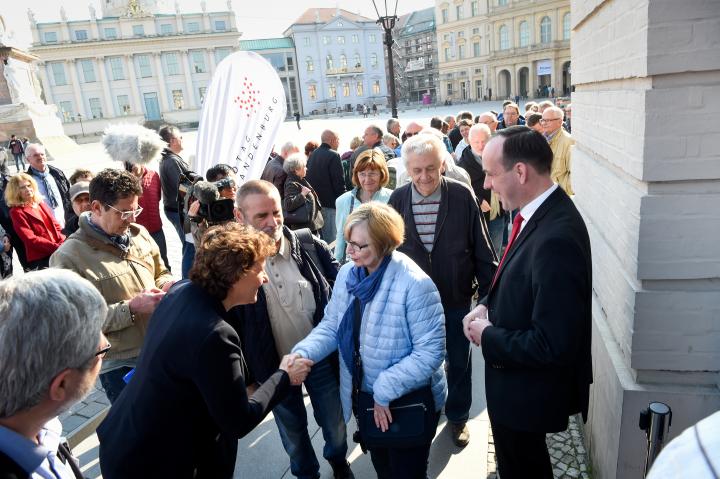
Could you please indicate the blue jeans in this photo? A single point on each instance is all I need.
(113, 383)
(328, 231)
(19, 158)
(174, 218)
(496, 232)
(291, 418)
(188, 258)
(459, 367)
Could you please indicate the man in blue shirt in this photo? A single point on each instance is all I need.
(46, 366)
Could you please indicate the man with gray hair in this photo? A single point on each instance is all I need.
(51, 350)
(274, 172)
(52, 183)
(489, 119)
(393, 127)
(446, 237)
(372, 138)
(561, 144)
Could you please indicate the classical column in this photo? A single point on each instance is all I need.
(191, 104)
(213, 65)
(108, 99)
(161, 83)
(45, 82)
(70, 64)
(137, 108)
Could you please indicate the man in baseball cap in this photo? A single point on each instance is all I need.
(80, 199)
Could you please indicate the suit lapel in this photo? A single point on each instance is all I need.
(35, 213)
(529, 228)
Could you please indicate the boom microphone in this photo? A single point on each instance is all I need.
(206, 192)
(134, 144)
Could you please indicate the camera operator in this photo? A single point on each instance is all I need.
(208, 205)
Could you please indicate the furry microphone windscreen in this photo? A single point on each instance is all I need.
(132, 143)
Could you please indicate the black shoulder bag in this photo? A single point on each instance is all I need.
(413, 414)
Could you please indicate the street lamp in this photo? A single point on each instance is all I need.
(388, 22)
(79, 117)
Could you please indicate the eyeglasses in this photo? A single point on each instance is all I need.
(548, 120)
(126, 215)
(103, 351)
(368, 174)
(409, 134)
(356, 247)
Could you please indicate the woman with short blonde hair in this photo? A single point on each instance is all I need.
(34, 222)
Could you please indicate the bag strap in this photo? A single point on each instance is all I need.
(65, 455)
(307, 243)
(119, 253)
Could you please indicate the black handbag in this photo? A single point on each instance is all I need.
(300, 216)
(413, 414)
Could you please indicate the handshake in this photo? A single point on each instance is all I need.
(297, 368)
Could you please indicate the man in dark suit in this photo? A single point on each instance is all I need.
(534, 325)
(325, 174)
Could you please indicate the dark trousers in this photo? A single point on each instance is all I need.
(159, 237)
(113, 383)
(459, 367)
(396, 463)
(521, 454)
(38, 264)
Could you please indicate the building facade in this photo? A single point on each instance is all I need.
(415, 55)
(503, 48)
(280, 52)
(134, 63)
(340, 57)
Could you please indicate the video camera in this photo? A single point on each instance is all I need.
(213, 209)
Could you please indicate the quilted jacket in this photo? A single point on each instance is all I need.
(402, 336)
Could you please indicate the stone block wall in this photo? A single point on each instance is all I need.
(646, 172)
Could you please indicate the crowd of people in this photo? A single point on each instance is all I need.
(352, 273)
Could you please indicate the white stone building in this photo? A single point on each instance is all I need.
(340, 57)
(135, 63)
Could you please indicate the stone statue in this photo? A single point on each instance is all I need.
(18, 92)
(31, 16)
(63, 14)
(203, 6)
(177, 7)
(229, 5)
(92, 12)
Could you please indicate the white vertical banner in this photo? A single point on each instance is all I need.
(243, 110)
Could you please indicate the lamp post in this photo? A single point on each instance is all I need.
(79, 116)
(388, 22)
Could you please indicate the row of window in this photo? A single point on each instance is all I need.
(474, 10)
(332, 90)
(340, 40)
(144, 68)
(524, 32)
(67, 113)
(330, 63)
(110, 33)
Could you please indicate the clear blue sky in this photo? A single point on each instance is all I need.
(253, 20)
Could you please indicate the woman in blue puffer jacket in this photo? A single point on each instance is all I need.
(402, 330)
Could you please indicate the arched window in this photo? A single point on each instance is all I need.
(524, 34)
(309, 63)
(504, 38)
(502, 3)
(329, 62)
(343, 63)
(545, 30)
(356, 61)
(566, 26)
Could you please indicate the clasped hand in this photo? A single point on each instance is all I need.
(475, 323)
(297, 368)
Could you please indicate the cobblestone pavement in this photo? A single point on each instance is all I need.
(567, 453)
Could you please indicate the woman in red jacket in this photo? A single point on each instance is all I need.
(33, 221)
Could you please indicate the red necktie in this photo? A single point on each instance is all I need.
(513, 234)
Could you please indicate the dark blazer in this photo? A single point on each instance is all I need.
(186, 406)
(63, 186)
(455, 136)
(462, 259)
(294, 199)
(30, 226)
(537, 353)
(325, 174)
(275, 174)
(468, 162)
(252, 321)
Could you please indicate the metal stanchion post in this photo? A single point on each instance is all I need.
(655, 421)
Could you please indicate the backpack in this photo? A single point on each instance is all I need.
(307, 243)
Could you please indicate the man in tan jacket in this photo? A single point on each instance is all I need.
(123, 262)
(560, 143)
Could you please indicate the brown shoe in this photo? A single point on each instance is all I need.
(460, 434)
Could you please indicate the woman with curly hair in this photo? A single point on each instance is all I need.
(190, 379)
(33, 221)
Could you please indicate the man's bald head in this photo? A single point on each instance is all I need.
(331, 138)
(479, 135)
(488, 118)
